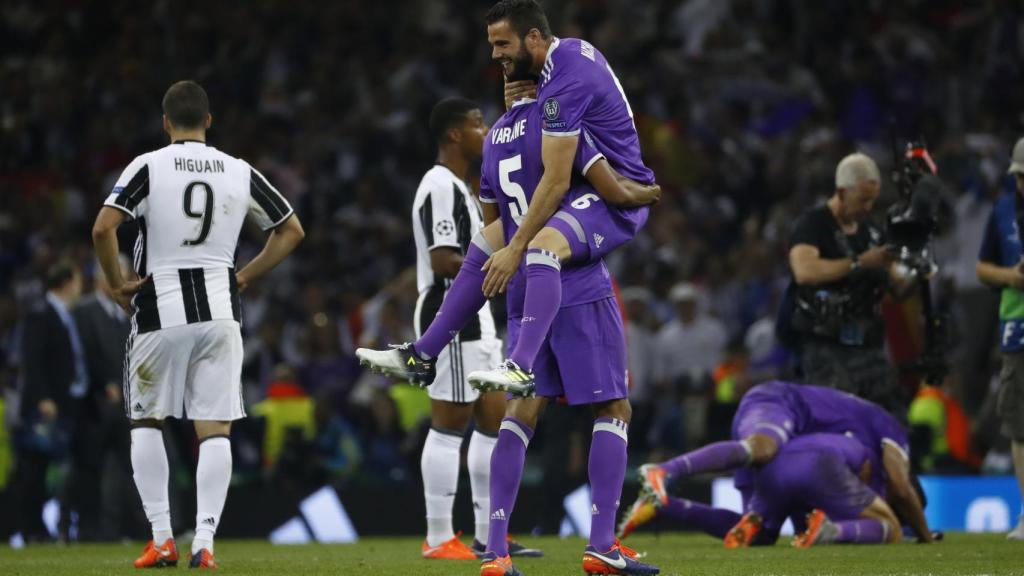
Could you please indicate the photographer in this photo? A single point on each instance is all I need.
(999, 266)
(841, 271)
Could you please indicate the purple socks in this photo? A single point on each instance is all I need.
(464, 299)
(714, 521)
(863, 531)
(607, 469)
(543, 299)
(716, 457)
(507, 461)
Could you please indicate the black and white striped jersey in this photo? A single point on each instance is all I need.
(190, 201)
(444, 214)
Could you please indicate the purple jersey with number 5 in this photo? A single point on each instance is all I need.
(509, 174)
(578, 90)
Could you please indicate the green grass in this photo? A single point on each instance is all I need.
(675, 554)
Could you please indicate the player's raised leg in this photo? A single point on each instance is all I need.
(543, 299)
(415, 361)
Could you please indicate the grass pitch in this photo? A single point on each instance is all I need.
(675, 554)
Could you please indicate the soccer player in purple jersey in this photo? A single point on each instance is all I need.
(773, 413)
(578, 94)
(820, 474)
(588, 325)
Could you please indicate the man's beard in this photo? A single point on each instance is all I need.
(521, 67)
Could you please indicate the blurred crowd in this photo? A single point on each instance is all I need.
(744, 108)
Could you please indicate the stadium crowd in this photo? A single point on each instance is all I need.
(744, 108)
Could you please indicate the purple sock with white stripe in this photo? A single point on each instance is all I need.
(464, 299)
(607, 469)
(863, 531)
(716, 457)
(507, 461)
(714, 521)
(543, 298)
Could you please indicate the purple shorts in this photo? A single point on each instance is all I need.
(594, 229)
(798, 481)
(766, 409)
(584, 356)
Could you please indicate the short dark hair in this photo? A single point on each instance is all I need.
(59, 274)
(522, 16)
(185, 104)
(446, 114)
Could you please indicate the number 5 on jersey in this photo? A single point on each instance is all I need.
(515, 192)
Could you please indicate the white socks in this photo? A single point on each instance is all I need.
(439, 464)
(479, 464)
(151, 473)
(213, 475)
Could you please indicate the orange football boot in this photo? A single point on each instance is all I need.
(652, 482)
(742, 534)
(452, 549)
(153, 556)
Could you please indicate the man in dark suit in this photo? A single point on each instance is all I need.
(101, 471)
(53, 379)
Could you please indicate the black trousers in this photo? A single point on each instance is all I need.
(31, 494)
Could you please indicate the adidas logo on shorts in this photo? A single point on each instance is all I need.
(598, 239)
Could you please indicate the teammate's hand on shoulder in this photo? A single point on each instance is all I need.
(519, 89)
(877, 257)
(500, 268)
(123, 294)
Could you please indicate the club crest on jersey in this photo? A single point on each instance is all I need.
(444, 228)
(551, 109)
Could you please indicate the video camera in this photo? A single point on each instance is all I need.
(919, 212)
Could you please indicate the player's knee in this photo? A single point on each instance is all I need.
(619, 409)
(526, 410)
(208, 428)
(147, 423)
(493, 236)
(762, 448)
(553, 241)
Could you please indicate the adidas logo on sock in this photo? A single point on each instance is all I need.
(598, 239)
(593, 510)
(498, 514)
(209, 521)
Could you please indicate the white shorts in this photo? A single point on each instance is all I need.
(456, 361)
(195, 366)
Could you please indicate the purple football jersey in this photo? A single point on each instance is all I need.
(509, 174)
(578, 90)
(812, 471)
(807, 409)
